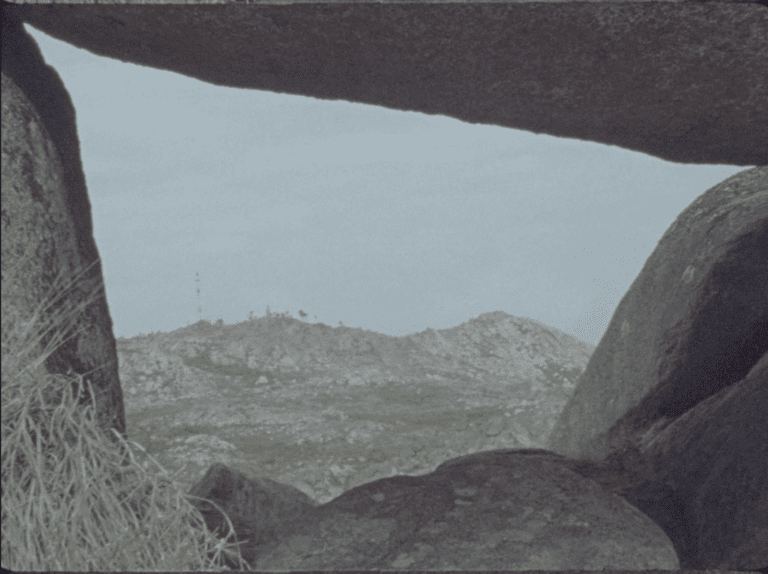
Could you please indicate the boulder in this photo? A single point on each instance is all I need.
(629, 74)
(257, 507)
(502, 510)
(693, 322)
(675, 396)
(705, 484)
(51, 273)
(709, 487)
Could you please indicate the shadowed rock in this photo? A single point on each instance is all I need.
(710, 478)
(503, 510)
(693, 322)
(668, 79)
(675, 396)
(257, 507)
(702, 482)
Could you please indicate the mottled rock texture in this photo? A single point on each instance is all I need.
(694, 321)
(709, 487)
(675, 396)
(257, 507)
(502, 510)
(47, 233)
(685, 82)
(700, 480)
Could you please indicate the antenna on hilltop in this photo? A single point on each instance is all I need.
(199, 308)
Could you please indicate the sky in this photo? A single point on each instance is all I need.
(212, 202)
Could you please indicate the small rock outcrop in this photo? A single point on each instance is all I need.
(51, 273)
(257, 507)
(677, 389)
(495, 510)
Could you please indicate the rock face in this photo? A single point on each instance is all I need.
(704, 483)
(623, 73)
(47, 234)
(257, 507)
(502, 510)
(709, 488)
(693, 322)
(677, 387)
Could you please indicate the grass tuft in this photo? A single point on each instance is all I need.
(75, 497)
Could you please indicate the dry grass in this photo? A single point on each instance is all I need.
(73, 497)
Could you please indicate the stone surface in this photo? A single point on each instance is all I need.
(704, 483)
(675, 397)
(47, 233)
(256, 506)
(667, 79)
(709, 489)
(693, 322)
(503, 510)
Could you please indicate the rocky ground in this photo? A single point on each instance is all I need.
(326, 409)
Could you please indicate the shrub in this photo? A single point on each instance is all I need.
(75, 497)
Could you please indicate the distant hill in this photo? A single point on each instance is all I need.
(325, 409)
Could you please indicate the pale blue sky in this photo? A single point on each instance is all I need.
(387, 220)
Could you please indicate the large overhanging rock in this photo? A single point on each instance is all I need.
(685, 82)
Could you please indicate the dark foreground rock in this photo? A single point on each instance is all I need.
(496, 510)
(257, 507)
(693, 322)
(677, 390)
(710, 477)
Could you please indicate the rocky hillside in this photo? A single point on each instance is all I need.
(325, 409)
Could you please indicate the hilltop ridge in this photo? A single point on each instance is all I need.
(303, 403)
